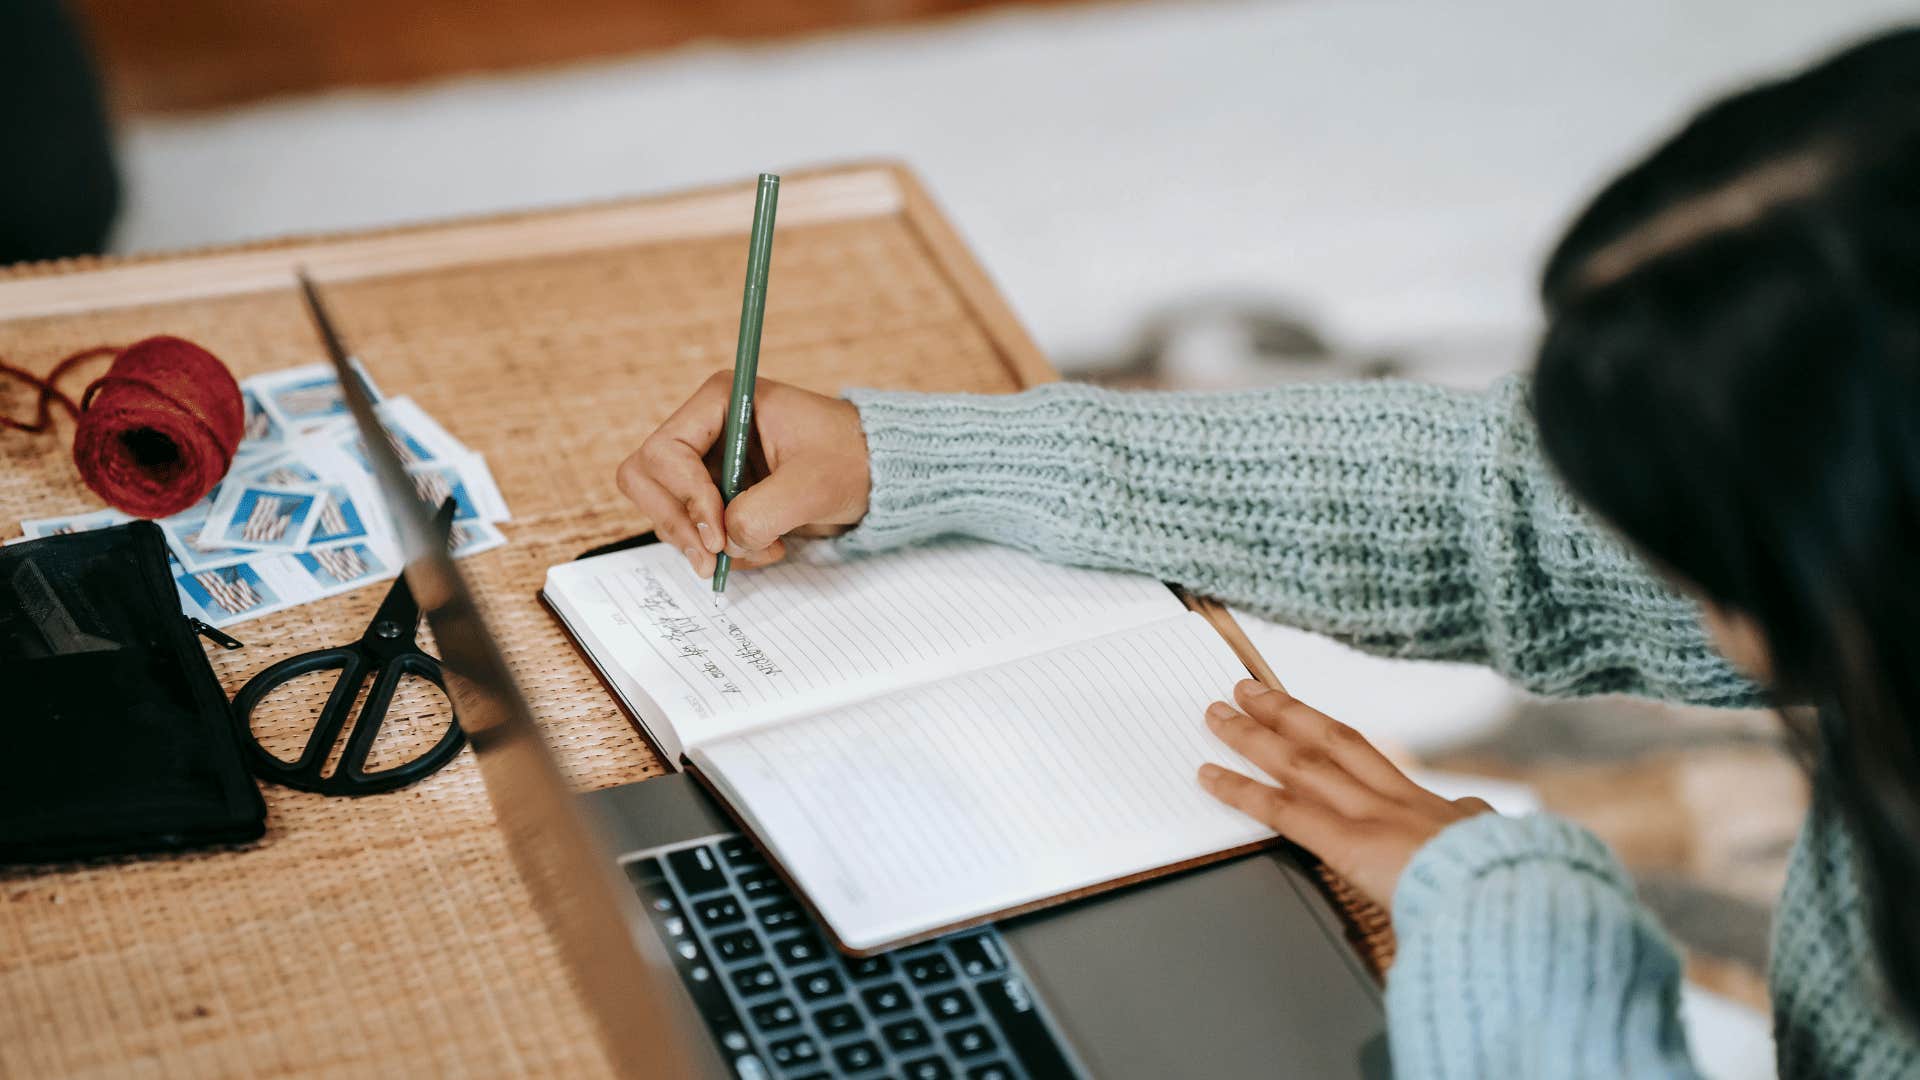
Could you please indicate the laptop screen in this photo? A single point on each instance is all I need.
(624, 977)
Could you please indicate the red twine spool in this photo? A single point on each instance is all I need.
(156, 432)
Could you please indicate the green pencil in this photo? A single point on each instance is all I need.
(746, 357)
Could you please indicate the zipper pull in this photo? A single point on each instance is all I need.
(215, 634)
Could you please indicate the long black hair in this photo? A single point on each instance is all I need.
(1731, 377)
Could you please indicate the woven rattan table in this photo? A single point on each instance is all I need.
(391, 935)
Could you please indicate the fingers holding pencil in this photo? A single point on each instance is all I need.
(667, 476)
(816, 483)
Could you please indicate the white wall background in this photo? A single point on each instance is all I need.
(1398, 168)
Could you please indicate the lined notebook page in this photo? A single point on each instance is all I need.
(822, 629)
(983, 792)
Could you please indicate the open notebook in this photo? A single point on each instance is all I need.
(930, 737)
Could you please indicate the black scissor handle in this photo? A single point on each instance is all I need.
(321, 739)
(351, 777)
(386, 680)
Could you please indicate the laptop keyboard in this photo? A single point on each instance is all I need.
(784, 1003)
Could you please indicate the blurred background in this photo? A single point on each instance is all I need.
(1170, 193)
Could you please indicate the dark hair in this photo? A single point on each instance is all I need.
(1731, 377)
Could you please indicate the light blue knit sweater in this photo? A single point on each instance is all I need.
(1414, 522)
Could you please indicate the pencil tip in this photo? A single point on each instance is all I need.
(719, 601)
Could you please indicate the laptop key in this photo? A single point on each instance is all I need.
(795, 951)
(906, 1036)
(973, 1039)
(739, 945)
(992, 1070)
(1011, 1005)
(739, 851)
(757, 979)
(697, 869)
(798, 1050)
(950, 1005)
(839, 1020)
(815, 985)
(652, 886)
(780, 915)
(868, 967)
(853, 1057)
(721, 911)
(978, 954)
(928, 968)
(928, 1069)
(774, 1014)
(885, 998)
(759, 884)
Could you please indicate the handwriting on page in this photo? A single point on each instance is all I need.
(820, 629)
(697, 638)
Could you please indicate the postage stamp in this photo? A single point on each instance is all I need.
(468, 480)
(73, 523)
(228, 593)
(340, 519)
(287, 469)
(305, 399)
(262, 517)
(344, 567)
(186, 544)
(261, 432)
(437, 483)
(473, 537)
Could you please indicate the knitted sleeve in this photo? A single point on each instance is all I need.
(1404, 519)
(1521, 952)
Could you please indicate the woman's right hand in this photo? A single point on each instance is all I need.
(807, 474)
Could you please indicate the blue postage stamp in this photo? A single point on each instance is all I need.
(339, 519)
(342, 567)
(228, 593)
(260, 517)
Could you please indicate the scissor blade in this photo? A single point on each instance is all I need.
(398, 619)
(400, 609)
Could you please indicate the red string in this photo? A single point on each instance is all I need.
(156, 432)
(50, 394)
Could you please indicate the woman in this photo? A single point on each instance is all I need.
(1729, 382)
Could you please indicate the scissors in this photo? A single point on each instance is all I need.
(385, 653)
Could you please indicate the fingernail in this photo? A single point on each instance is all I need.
(1252, 687)
(1211, 772)
(735, 550)
(708, 537)
(693, 558)
(1220, 710)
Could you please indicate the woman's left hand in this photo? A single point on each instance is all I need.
(1338, 796)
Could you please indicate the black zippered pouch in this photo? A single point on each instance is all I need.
(114, 732)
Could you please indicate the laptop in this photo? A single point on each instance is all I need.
(697, 961)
